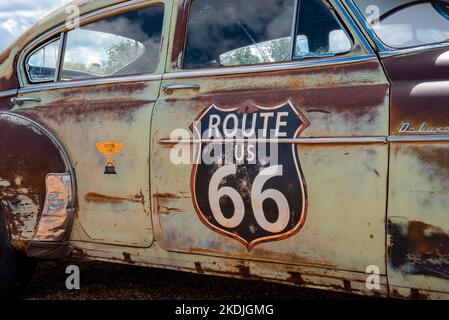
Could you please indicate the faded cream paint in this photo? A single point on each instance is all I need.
(419, 191)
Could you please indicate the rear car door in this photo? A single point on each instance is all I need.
(94, 87)
(415, 55)
(321, 101)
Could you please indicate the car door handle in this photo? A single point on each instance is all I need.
(170, 87)
(20, 101)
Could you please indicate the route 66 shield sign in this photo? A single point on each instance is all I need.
(247, 182)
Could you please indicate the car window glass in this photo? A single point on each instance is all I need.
(319, 32)
(404, 24)
(125, 44)
(41, 65)
(235, 32)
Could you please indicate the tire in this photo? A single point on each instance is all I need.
(16, 269)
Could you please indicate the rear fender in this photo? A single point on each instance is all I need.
(37, 187)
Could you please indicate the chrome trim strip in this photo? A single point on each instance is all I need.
(86, 83)
(352, 25)
(423, 138)
(267, 68)
(397, 52)
(337, 140)
(63, 27)
(59, 63)
(380, 45)
(8, 93)
(355, 140)
(293, 29)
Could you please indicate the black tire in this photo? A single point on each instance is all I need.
(16, 269)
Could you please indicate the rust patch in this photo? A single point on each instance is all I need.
(100, 198)
(166, 196)
(418, 248)
(127, 258)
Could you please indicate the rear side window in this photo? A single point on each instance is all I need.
(41, 64)
(235, 32)
(125, 44)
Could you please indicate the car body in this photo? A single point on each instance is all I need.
(89, 167)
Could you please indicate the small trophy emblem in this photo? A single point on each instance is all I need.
(108, 149)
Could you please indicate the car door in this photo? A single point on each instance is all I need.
(98, 103)
(325, 98)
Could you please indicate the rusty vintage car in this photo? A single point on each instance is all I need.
(302, 142)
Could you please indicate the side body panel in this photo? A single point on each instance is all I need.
(418, 212)
(345, 224)
(112, 208)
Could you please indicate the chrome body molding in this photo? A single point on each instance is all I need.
(298, 64)
(8, 93)
(343, 140)
(86, 83)
(419, 138)
(336, 140)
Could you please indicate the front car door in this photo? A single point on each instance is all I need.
(320, 101)
(94, 87)
(415, 54)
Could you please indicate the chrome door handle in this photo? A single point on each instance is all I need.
(170, 87)
(20, 101)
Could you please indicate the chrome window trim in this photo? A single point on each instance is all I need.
(8, 93)
(352, 25)
(384, 50)
(296, 64)
(87, 83)
(29, 55)
(398, 52)
(299, 64)
(97, 14)
(62, 46)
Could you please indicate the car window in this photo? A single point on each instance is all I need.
(125, 44)
(235, 32)
(404, 24)
(319, 32)
(41, 64)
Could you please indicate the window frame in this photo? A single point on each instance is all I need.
(62, 36)
(294, 28)
(41, 46)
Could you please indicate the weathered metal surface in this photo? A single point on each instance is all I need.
(345, 228)
(341, 179)
(418, 223)
(28, 155)
(111, 208)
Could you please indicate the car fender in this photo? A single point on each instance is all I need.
(32, 157)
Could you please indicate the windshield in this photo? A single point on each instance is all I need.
(406, 23)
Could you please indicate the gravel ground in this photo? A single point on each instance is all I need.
(117, 282)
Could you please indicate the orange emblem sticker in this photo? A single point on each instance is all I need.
(108, 149)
